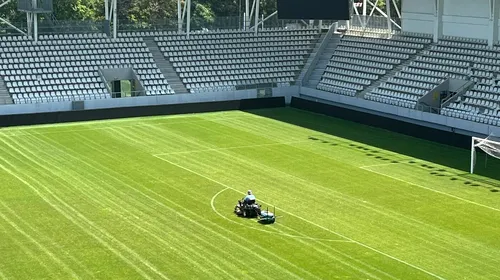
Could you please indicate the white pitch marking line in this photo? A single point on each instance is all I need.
(231, 148)
(312, 223)
(23, 131)
(433, 190)
(212, 203)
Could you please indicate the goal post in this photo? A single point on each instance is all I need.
(490, 145)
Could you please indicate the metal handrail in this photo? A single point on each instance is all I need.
(454, 97)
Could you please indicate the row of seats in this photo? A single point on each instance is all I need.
(390, 98)
(68, 63)
(350, 70)
(472, 113)
(30, 45)
(473, 60)
(421, 38)
(233, 43)
(236, 33)
(211, 60)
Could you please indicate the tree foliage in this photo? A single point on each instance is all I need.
(137, 10)
(150, 11)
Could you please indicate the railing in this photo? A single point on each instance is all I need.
(49, 26)
(476, 116)
(57, 27)
(103, 79)
(427, 108)
(458, 94)
(197, 23)
(371, 23)
(315, 59)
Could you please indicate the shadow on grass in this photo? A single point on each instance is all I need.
(374, 141)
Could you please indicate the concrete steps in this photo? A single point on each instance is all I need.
(322, 62)
(311, 57)
(165, 67)
(5, 97)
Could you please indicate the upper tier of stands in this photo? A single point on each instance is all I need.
(233, 59)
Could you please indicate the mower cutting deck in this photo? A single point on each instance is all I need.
(254, 211)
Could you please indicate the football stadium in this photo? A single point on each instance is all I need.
(249, 139)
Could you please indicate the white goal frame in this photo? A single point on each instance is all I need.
(476, 141)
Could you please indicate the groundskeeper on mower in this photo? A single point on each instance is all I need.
(254, 211)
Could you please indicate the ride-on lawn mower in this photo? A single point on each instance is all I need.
(254, 211)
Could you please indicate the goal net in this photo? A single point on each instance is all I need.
(490, 145)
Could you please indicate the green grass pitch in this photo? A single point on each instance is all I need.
(152, 198)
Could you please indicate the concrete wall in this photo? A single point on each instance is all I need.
(287, 92)
(457, 84)
(418, 16)
(399, 113)
(466, 18)
(117, 74)
(432, 97)
(461, 18)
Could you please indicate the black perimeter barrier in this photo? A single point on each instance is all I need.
(139, 111)
(414, 130)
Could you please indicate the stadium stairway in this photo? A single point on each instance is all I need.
(165, 67)
(5, 97)
(313, 54)
(323, 60)
(393, 72)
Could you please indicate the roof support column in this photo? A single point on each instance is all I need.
(389, 18)
(29, 21)
(115, 19)
(179, 16)
(493, 22)
(257, 6)
(364, 12)
(35, 22)
(247, 15)
(188, 24)
(438, 19)
(111, 11)
(106, 9)
(107, 18)
(35, 27)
